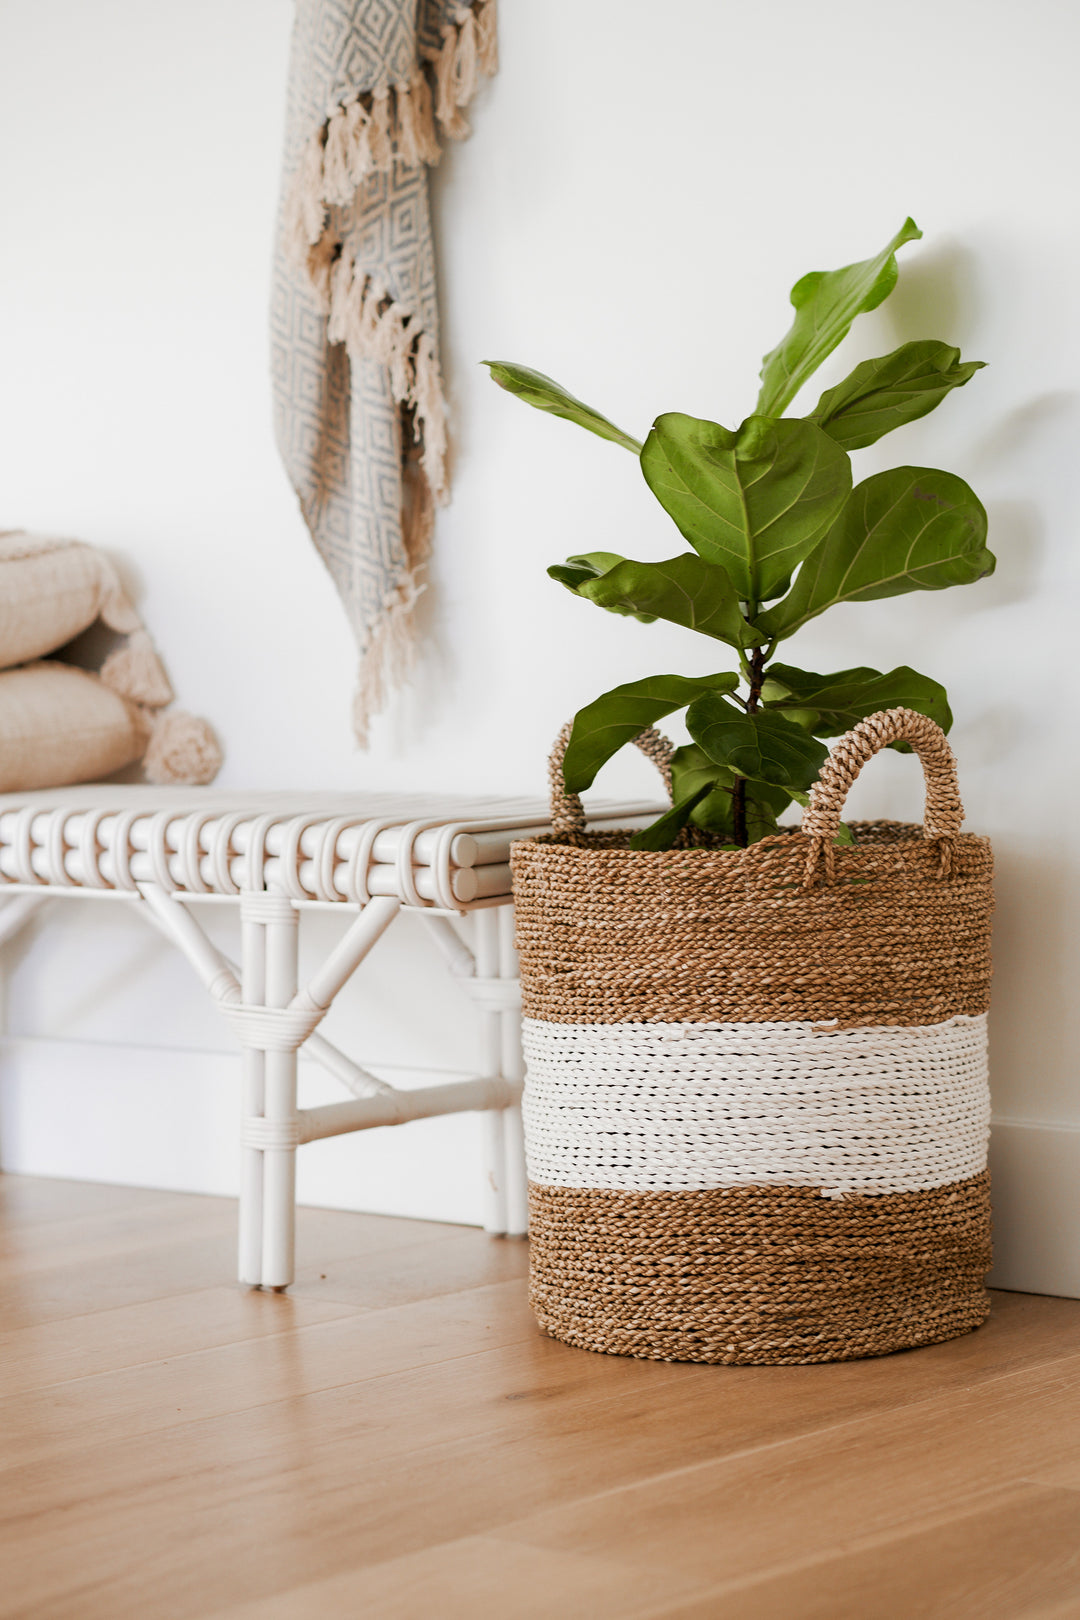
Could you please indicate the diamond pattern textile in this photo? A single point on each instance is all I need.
(359, 412)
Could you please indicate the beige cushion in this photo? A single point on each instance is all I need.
(52, 590)
(61, 725)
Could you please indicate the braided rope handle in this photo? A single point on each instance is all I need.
(944, 813)
(567, 814)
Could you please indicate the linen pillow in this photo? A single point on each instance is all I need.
(52, 590)
(59, 725)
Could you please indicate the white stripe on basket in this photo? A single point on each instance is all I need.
(691, 1106)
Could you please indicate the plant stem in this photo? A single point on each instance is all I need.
(755, 676)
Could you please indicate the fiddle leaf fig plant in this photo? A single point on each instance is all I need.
(779, 533)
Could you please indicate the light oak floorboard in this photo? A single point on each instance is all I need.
(140, 1250)
(302, 1489)
(474, 1579)
(226, 1383)
(779, 1504)
(396, 1438)
(1004, 1562)
(107, 1342)
(34, 1200)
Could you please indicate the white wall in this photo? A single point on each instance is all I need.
(643, 186)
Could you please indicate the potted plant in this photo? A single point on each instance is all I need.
(756, 1108)
(779, 534)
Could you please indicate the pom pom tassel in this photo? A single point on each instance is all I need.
(135, 672)
(183, 750)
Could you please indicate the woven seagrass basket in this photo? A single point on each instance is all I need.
(756, 1109)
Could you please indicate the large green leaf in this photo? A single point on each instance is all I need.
(587, 565)
(826, 302)
(756, 501)
(909, 529)
(662, 833)
(763, 747)
(691, 767)
(883, 394)
(684, 590)
(604, 726)
(578, 571)
(830, 704)
(547, 395)
(692, 770)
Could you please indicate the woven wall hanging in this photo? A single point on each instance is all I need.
(358, 398)
(757, 1106)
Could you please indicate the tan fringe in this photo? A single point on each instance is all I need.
(388, 657)
(469, 50)
(398, 123)
(342, 136)
(379, 130)
(340, 296)
(364, 317)
(305, 210)
(355, 141)
(116, 608)
(321, 261)
(487, 37)
(135, 672)
(417, 512)
(431, 415)
(414, 136)
(401, 335)
(183, 749)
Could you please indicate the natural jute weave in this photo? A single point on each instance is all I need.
(757, 1104)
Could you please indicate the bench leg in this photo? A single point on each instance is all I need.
(268, 1176)
(505, 1195)
(253, 958)
(513, 1068)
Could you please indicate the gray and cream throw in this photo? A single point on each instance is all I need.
(359, 411)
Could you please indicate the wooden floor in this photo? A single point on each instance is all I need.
(394, 1438)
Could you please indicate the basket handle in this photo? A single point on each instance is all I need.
(944, 813)
(567, 814)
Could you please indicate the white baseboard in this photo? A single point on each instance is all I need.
(1035, 1174)
(149, 1116)
(158, 1117)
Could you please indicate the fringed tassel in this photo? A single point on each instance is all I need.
(414, 136)
(487, 37)
(116, 607)
(380, 130)
(368, 297)
(388, 658)
(183, 749)
(395, 123)
(135, 672)
(430, 408)
(305, 210)
(364, 317)
(422, 113)
(417, 512)
(399, 355)
(347, 154)
(321, 261)
(469, 49)
(340, 291)
(364, 136)
(341, 129)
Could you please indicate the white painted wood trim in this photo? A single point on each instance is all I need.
(1035, 1191)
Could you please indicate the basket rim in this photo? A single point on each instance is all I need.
(911, 836)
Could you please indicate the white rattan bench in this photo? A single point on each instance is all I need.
(164, 851)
